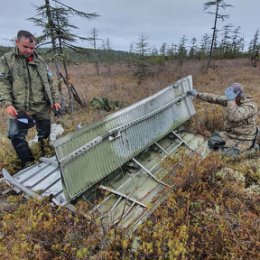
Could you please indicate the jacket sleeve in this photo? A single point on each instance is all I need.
(237, 113)
(54, 87)
(5, 83)
(211, 98)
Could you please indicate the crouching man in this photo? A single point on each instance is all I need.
(240, 130)
(27, 92)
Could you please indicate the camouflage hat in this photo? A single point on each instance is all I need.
(25, 121)
(238, 88)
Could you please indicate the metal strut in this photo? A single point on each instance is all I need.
(183, 141)
(149, 172)
(124, 214)
(122, 195)
(162, 148)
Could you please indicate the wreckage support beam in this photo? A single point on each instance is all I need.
(183, 141)
(122, 195)
(162, 148)
(147, 171)
(124, 214)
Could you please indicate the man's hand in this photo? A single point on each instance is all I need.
(57, 109)
(193, 92)
(10, 110)
(230, 94)
(57, 106)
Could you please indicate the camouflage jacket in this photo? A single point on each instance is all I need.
(26, 85)
(240, 120)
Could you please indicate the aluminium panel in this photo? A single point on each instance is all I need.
(40, 180)
(90, 154)
(142, 193)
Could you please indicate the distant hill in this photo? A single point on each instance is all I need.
(81, 54)
(4, 50)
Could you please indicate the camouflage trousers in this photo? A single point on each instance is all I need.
(219, 141)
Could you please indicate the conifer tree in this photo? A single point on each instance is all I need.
(94, 38)
(226, 45)
(57, 31)
(182, 51)
(254, 46)
(142, 68)
(237, 42)
(218, 4)
(193, 49)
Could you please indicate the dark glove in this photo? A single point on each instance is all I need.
(56, 112)
(230, 94)
(193, 92)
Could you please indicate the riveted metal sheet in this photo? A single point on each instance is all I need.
(42, 179)
(90, 154)
(133, 193)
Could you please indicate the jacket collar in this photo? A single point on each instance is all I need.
(35, 56)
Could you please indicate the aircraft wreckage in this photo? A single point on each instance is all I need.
(121, 155)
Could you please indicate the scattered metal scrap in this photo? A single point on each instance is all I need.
(118, 158)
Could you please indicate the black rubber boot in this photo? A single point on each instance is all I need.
(44, 130)
(42, 147)
(24, 153)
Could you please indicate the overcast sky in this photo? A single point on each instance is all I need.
(124, 21)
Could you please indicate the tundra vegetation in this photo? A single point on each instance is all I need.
(212, 212)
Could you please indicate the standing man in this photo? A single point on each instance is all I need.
(240, 130)
(28, 94)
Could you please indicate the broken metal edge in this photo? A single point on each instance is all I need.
(18, 187)
(12, 181)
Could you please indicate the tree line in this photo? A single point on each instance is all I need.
(228, 43)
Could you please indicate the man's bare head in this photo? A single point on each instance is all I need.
(25, 43)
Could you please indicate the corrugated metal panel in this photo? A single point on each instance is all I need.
(40, 180)
(93, 152)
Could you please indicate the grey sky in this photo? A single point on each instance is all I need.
(123, 21)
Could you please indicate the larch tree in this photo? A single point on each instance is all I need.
(182, 50)
(218, 5)
(193, 49)
(225, 45)
(254, 45)
(204, 46)
(108, 55)
(58, 32)
(163, 49)
(142, 50)
(237, 42)
(94, 39)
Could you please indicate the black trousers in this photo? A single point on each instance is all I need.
(18, 137)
